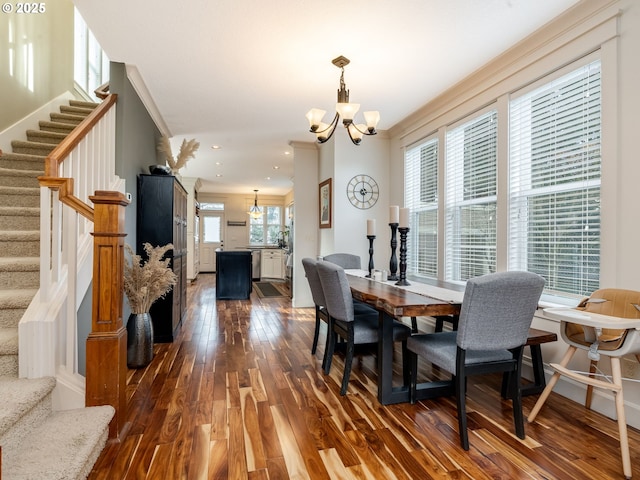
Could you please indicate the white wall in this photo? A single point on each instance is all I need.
(613, 28)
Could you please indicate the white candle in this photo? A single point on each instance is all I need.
(371, 227)
(394, 212)
(404, 218)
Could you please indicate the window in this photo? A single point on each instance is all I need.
(555, 182)
(470, 198)
(211, 229)
(421, 196)
(265, 230)
(91, 65)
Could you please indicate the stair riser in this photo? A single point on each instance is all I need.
(34, 149)
(41, 138)
(18, 249)
(10, 200)
(18, 164)
(10, 317)
(75, 110)
(14, 222)
(19, 280)
(64, 118)
(83, 104)
(19, 181)
(9, 365)
(56, 128)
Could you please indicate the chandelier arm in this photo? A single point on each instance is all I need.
(331, 128)
(366, 132)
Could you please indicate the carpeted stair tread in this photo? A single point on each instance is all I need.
(75, 110)
(19, 264)
(22, 161)
(56, 126)
(45, 137)
(32, 148)
(18, 396)
(19, 211)
(35, 191)
(19, 178)
(16, 298)
(9, 341)
(83, 104)
(65, 446)
(66, 118)
(17, 235)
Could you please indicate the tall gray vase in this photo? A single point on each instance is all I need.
(139, 340)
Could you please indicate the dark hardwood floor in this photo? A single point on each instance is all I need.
(238, 395)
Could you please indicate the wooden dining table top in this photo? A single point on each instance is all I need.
(397, 301)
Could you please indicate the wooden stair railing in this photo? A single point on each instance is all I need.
(106, 348)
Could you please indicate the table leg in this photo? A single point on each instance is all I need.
(387, 394)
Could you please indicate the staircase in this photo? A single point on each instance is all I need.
(36, 441)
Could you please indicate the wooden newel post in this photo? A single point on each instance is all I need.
(107, 343)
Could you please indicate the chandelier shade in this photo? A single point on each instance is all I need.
(255, 211)
(345, 110)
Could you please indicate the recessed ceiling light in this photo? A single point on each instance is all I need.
(287, 153)
(276, 167)
(218, 174)
(219, 164)
(216, 147)
(267, 178)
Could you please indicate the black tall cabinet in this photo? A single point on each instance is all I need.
(162, 219)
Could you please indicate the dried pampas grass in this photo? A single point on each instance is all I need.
(187, 151)
(144, 283)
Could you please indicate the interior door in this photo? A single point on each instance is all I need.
(212, 231)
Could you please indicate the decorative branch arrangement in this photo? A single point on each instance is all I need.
(187, 151)
(144, 283)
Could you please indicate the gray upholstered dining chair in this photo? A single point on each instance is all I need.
(355, 329)
(345, 260)
(317, 294)
(496, 313)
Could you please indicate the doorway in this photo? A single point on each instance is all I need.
(211, 239)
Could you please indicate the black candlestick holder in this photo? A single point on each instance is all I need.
(393, 261)
(403, 256)
(371, 239)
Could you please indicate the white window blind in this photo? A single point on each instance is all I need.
(470, 198)
(554, 223)
(421, 197)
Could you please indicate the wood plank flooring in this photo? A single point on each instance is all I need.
(238, 395)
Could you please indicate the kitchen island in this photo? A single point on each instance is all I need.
(233, 274)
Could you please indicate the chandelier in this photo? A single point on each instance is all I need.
(255, 211)
(345, 110)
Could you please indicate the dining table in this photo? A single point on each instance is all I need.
(395, 302)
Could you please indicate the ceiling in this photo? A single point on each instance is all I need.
(241, 74)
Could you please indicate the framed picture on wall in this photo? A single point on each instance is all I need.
(324, 192)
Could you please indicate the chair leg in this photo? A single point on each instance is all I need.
(414, 325)
(316, 333)
(461, 394)
(460, 382)
(348, 360)
(516, 396)
(616, 373)
(593, 365)
(328, 354)
(552, 383)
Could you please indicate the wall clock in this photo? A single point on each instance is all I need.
(363, 191)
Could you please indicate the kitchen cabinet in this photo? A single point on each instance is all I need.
(272, 264)
(162, 219)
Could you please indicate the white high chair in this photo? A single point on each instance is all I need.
(607, 323)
